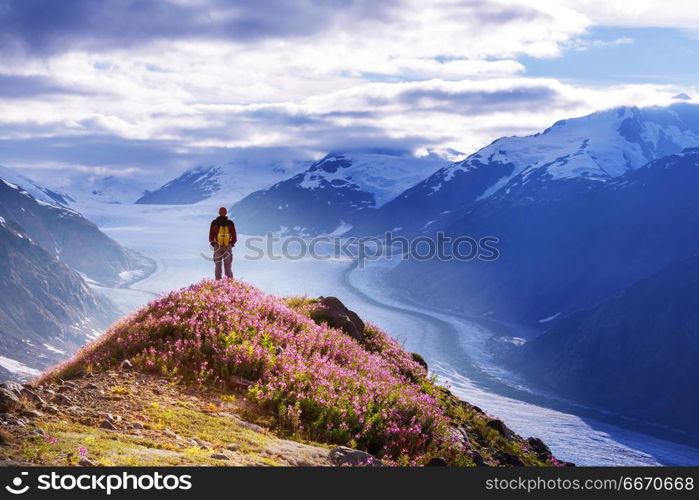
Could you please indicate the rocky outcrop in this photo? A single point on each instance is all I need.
(337, 315)
(419, 359)
(8, 400)
(13, 387)
(500, 426)
(541, 449)
(344, 456)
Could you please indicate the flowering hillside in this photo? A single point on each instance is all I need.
(318, 383)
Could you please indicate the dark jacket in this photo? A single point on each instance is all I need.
(222, 220)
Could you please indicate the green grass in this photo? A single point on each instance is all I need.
(104, 447)
(154, 448)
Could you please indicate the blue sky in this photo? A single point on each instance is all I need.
(617, 55)
(149, 88)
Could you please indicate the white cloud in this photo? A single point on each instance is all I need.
(682, 14)
(438, 74)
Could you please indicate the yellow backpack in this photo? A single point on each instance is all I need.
(224, 236)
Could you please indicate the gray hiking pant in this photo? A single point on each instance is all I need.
(223, 257)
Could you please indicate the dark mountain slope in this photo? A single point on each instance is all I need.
(569, 244)
(42, 302)
(635, 353)
(66, 235)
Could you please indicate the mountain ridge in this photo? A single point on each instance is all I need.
(221, 183)
(68, 236)
(38, 191)
(331, 193)
(596, 148)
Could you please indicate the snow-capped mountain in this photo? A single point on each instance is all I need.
(74, 189)
(223, 183)
(65, 234)
(567, 244)
(103, 189)
(382, 175)
(596, 148)
(332, 191)
(39, 192)
(194, 185)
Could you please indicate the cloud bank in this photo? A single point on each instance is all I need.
(162, 85)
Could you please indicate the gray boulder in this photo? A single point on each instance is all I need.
(8, 400)
(505, 458)
(336, 315)
(62, 399)
(500, 426)
(344, 456)
(478, 459)
(542, 451)
(106, 424)
(33, 396)
(13, 387)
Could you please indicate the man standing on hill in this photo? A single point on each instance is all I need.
(222, 238)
